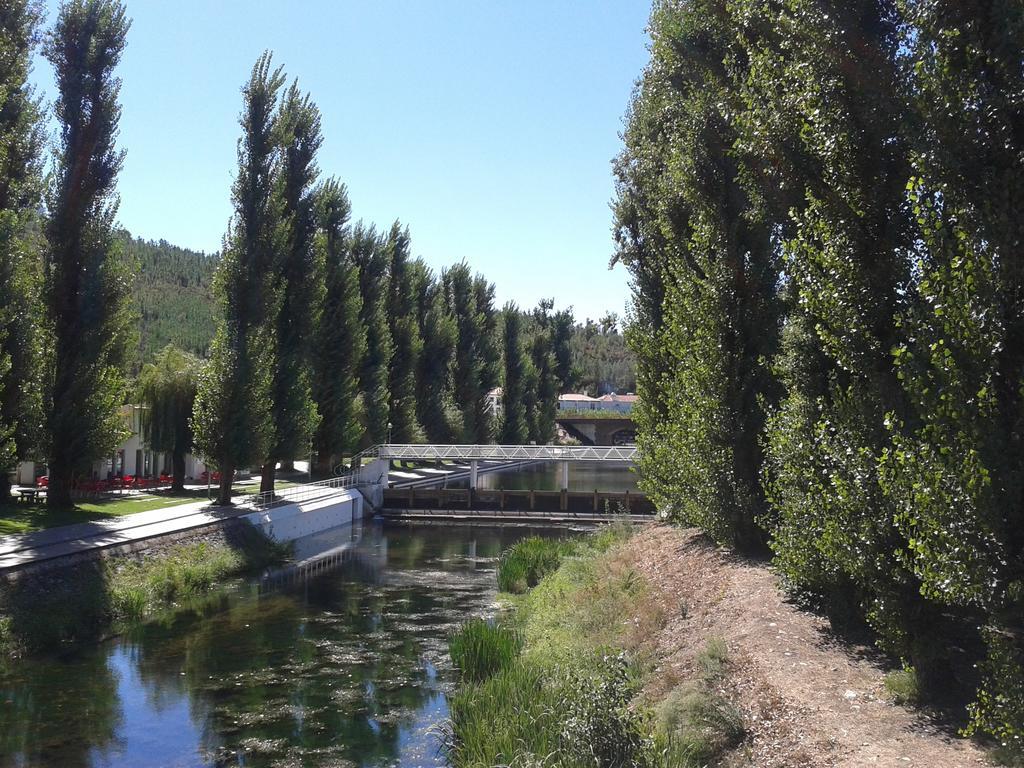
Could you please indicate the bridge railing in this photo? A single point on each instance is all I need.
(304, 492)
(425, 452)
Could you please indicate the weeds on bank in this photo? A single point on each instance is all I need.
(696, 724)
(91, 599)
(902, 686)
(569, 696)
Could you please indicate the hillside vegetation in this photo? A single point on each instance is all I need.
(173, 293)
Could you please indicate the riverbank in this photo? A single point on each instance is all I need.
(658, 649)
(87, 600)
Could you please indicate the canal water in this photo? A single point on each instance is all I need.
(584, 477)
(349, 668)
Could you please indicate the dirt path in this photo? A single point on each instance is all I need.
(807, 700)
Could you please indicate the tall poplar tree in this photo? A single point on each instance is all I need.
(88, 283)
(956, 471)
(299, 282)
(233, 413)
(543, 375)
(515, 427)
(405, 336)
(706, 272)
(20, 195)
(340, 336)
(371, 258)
(435, 406)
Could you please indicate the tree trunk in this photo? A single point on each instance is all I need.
(324, 465)
(5, 485)
(178, 462)
(224, 494)
(58, 489)
(267, 477)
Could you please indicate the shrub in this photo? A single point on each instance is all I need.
(598, 726)
(481, 648)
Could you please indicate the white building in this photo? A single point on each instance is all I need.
(132, 458)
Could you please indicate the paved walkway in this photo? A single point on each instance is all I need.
(19, 549)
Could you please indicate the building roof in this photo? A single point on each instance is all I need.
(578, 397)
(613, 398)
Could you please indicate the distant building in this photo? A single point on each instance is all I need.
(133, 458)
(580, 402)
(494, 401)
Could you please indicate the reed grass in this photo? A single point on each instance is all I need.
(481, 648)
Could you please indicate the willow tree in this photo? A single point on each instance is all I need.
(20, 193)
(340, 340)
(88, 283)
(167, 387)
(233, 414)
(298, 281)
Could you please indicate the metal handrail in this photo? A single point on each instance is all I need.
(304, 492)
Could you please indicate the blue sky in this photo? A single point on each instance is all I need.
(488, 128)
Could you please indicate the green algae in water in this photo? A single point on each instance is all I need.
(348, 669)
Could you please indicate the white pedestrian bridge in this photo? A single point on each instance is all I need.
(428, 452)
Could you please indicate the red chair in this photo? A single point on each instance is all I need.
(43, 481)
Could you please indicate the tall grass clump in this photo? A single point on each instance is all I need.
(697, 724)
(525, 563)
(480, 648)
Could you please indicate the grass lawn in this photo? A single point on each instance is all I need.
(19, 517)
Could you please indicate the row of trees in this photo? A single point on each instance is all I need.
(819, 204)
(332, 336)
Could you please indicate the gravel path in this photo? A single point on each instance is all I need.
(808, 700)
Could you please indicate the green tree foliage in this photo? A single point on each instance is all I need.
(88, 282)
(232, 418)
(858, 167)
(477, 356)
(718, 275)
(299, 284)
(605, 363)
(167, 388)
(515, 427)
(567, 369)
(173, 293)
(435, 404)
(20, 194)
(956, 468)
(403, 323)
(371, 258)
(544, 383)
(340, 337)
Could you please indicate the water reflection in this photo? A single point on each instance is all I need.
(349, 668)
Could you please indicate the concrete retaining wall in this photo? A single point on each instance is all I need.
(293, 521)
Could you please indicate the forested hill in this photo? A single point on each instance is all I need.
(173, 295)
